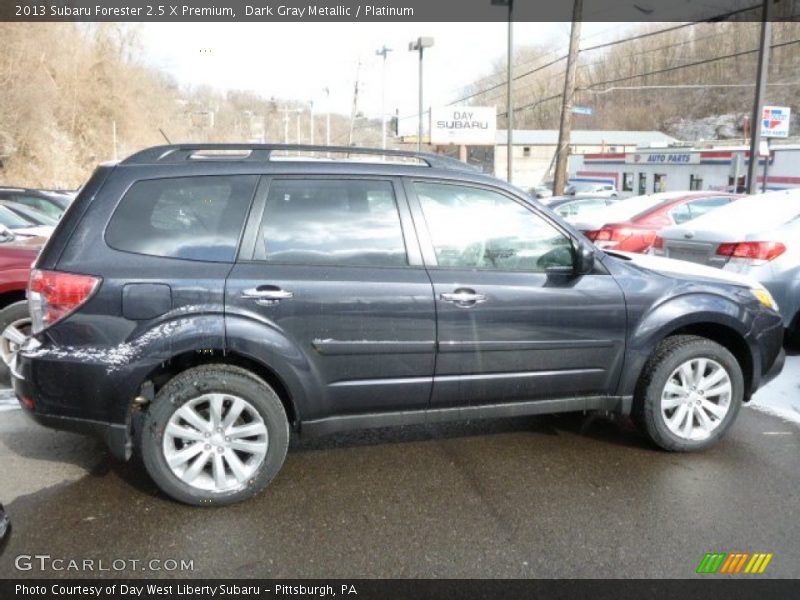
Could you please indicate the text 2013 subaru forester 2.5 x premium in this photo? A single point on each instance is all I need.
(199, 302)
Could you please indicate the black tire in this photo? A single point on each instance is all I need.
(191, 384)
(10, 314)
(668, 356)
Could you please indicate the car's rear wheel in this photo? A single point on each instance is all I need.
(15, 326)
(689, 394)
(214, 435)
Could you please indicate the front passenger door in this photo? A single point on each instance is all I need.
(509, 327)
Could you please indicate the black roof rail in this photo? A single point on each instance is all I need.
(261, 152)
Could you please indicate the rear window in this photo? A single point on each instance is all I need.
(195, 218)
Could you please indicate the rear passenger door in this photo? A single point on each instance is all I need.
(334, 266)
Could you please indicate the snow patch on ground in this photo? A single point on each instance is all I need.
(781, 397)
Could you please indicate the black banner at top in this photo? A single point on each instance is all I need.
(387, 10)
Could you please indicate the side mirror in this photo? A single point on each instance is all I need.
(6, 233)
(584, 259)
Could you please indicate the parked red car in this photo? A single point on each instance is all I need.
(638, 233)
(16, 257)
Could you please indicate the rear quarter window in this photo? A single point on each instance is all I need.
(193, 218)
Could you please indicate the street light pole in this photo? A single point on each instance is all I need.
(311, 118)
(758, 103)
(327, 116)
(420, 45)
(383, 52)
(509, 89)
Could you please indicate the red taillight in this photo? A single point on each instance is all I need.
(53, 295)
(609, 234)
(752, 250)
(658, 243)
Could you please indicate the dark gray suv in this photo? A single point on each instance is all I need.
(199, 302)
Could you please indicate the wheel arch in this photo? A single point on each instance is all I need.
(9, 297)
(712, 317)
(184, 361)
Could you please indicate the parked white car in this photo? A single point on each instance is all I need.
(758, 236)
(587, 188)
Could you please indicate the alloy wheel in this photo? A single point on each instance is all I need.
(215, 442)
(696, 398)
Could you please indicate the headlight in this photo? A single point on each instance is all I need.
(763, 296)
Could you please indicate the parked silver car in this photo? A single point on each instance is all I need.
(758, 236)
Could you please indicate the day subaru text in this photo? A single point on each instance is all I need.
(196, 303)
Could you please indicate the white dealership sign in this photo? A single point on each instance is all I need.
(467, 125)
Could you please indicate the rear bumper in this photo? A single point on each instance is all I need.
(71, 395)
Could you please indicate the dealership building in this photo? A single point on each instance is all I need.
(534, 150)
(647, 170)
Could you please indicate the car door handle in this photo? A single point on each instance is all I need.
(464, 297)
(270, 295)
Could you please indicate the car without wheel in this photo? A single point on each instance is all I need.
(638, 232)
(53, 203)
(197, 303)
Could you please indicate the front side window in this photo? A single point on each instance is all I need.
(338, 222)
(195, 218)
(476, 228)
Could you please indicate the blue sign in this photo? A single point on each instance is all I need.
(582, 110)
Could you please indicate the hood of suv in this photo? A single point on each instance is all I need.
(686, 270)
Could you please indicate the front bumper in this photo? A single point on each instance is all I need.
(775, 369)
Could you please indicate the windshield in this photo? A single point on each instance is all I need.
(760, 212)
(32, 215)
(12, 220)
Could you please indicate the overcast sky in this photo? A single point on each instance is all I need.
(298, 60)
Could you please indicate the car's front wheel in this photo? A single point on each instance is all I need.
(214, 435)
(689, 394)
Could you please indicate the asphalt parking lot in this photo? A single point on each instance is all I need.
(558, 496)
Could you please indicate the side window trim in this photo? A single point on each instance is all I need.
(423, 233)
(249, 245)
(252, 251)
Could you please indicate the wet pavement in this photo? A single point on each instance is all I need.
(557, 496)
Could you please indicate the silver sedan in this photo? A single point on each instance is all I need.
(758, 237)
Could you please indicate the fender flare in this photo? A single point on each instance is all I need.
(674, 314)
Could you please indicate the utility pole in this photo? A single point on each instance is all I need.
(562, 152)
(286, 112)
(509, 95)
(327, 116)
(758, 103)
(355, 105)
(383, 52)
(114, 138)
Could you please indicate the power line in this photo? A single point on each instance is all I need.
(686, 66)
(606, 45)
(590, 87)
